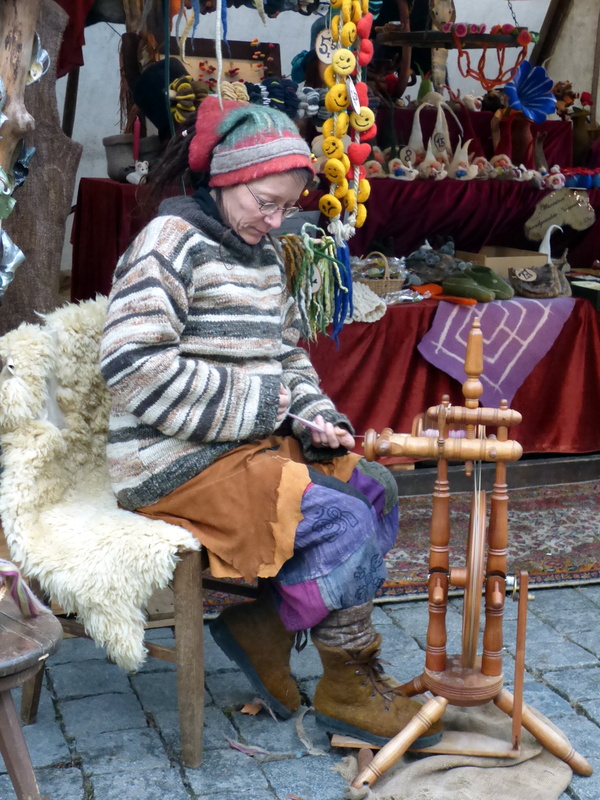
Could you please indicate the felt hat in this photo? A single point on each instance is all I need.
(243, 142)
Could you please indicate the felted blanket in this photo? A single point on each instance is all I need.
(59, 514)
(517, 334)
(535, 774)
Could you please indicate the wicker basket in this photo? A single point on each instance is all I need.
(383, 285)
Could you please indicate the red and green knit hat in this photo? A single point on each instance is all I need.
(242, 142)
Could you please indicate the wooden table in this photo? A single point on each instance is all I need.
(24, 645)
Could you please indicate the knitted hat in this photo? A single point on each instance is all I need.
(242, 142)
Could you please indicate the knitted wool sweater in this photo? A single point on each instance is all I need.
(199, 335)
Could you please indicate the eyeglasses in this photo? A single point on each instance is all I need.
(268, 209)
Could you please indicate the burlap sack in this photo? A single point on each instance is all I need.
(536, 774)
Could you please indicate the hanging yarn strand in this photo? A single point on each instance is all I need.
(503, 76)
(319, 280)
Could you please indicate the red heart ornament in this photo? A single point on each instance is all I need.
(362, 92)
(362, 173)
(358, 153)
(370, 134)
(363, 26)
(365, 52)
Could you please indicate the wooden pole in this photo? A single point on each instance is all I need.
(37, 223)
(553, 22)
(17, 23)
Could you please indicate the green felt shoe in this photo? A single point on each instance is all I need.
(487, 278)
(462, 285)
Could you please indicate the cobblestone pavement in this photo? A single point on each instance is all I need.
(105, 735)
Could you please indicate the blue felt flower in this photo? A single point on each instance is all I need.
(531, 92)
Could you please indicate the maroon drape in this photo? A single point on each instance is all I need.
(400, 216)
(71, 49)
(557, 143)
(379, 379)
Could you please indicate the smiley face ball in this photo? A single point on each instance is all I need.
(343, 62)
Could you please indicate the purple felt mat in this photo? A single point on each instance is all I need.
(516, 335)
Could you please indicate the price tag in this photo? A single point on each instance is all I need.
(526, 274)
(353, 95)
(407, 156)
(317, 281)
(324, 46)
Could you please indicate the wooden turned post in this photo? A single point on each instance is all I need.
(439, 567)
(491, 661)
(491, 658)
(472, 388)
(435, 654)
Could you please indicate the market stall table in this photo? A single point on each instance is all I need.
(400, 216)
(380, 379)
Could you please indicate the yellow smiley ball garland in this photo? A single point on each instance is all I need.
(347, 101)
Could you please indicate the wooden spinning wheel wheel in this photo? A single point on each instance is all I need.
(467, 679)
(474, 580)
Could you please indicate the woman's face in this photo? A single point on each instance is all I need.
(239, 205)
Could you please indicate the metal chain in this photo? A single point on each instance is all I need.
(512, 12)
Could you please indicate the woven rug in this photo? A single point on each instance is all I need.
(553, 532)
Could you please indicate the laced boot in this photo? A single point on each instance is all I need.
(355, 697)
(254, 637)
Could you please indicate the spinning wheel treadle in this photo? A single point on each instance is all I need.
(467, 679)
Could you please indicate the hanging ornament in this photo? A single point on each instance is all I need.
(347, 101)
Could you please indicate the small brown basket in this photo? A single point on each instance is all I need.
(381, 286)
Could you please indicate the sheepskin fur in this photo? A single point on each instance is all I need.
(59, 513)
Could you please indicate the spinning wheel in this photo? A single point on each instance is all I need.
(467, 679)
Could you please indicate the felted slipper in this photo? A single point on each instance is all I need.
(461, 285)
(487, 278)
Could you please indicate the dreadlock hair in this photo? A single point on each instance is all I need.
(172, 167)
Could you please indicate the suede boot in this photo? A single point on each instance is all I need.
(254, 637)
(355, 698)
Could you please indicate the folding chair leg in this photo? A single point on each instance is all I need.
(189, 646)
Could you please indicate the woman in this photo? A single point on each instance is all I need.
(200, 353)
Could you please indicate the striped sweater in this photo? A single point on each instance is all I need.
(199, 335)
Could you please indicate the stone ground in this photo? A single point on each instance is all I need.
(105, 735)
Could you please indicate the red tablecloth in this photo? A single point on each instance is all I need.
(379, 379)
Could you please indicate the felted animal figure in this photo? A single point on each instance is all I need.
(433, 266)
(401, 171)
(431, 167)
(140, 173)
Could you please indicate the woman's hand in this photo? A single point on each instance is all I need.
(285, 397)
(332, 436)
